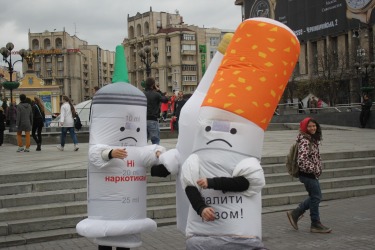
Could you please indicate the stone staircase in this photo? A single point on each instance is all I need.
(43, 206)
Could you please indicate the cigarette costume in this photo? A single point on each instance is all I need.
(233, 117)
(117, 187)
(174, 158)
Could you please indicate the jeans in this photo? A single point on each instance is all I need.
(153, 131)
(315, 196)
(73, 135)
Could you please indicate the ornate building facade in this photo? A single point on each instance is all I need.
(70, 63)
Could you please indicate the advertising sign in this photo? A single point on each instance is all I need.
(311, 19)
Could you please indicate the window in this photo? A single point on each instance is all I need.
(212, 53)
(188, 58)
(48, 66)
(168, 49)
(214, 41)
(189, 67)
(189, 78)
(188, 47)
(188, 37)
(60, 65)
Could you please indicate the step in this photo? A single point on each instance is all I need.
(43, 198)
(162, 211)
(327, 173)
(329, 194)
(330, 164)
(161, 187)
(325, 184)
(40, 176)
(44, 224)
(161, 199)
(36, 211)
(42, 186)
(36, 237)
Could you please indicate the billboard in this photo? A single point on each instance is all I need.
(311, 19)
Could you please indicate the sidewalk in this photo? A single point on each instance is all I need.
(352, 220)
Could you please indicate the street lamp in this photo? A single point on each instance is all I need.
(145, 54)
(7, 52)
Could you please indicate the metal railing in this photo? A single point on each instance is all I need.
(292, 108)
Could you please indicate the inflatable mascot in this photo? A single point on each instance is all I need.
(223, 178)
(172, 160)
(118, 158)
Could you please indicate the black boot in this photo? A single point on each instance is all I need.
(38, 147)
(294, 216)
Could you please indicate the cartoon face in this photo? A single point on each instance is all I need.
(120, 125)
(222, 130)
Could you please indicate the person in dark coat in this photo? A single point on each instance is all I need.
(24, 122)
(38, 122)
(2, 125)
(366, 109)
(180, 102)
(154, 99)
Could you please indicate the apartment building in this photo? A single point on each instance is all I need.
(184, 51)
(71, 63)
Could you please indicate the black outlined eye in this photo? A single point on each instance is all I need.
(138, 129)
(233, 131)
(122, 129)
(208, 128)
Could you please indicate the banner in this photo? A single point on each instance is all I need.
(311, 19)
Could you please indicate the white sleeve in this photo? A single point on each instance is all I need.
(250, 169)
(190, 172)
(171, 160)
(96, 155)
(62, 114)
(149, 154)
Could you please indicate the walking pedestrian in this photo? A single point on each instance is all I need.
(366, 109)
(67, 123)
(310, 168)
(38, 122)
(24, 122)
(2, 125)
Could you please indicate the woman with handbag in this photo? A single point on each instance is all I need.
(38, 122)
(67, 123)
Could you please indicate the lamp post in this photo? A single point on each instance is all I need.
(7, 52)
(145, 54)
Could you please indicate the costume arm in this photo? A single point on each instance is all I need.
(250, 169)
(171, 160)
(190, 172)
(99, 155)
(159, 171)
(149, 154)
(228, 184)
(196, 199)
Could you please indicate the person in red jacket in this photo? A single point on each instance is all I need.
(310, 168)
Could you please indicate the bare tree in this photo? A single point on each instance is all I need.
(330, 73)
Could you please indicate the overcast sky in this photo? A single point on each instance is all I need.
(103, 23)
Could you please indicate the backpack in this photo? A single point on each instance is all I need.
(291, 161)
(77, 122)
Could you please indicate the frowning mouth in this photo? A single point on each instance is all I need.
(129, 138)
(219, 140)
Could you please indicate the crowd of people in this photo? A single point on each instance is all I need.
(29, 118)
